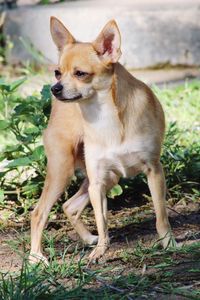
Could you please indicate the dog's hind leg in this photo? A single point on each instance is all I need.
(73, 209)
(60, 168)
(156, 182)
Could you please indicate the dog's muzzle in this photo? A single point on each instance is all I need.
(57, 91)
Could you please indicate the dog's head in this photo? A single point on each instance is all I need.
(84, 68)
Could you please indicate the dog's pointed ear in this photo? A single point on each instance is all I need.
(60, 35)
(108, 42)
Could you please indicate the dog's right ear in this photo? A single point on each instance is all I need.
(60, 35)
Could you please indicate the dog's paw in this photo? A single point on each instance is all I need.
(97, 253)
(169, 241)
(91, 240)
(36, 258)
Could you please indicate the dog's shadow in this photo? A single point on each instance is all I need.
(183, 225)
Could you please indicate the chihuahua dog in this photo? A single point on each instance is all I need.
(105, 120)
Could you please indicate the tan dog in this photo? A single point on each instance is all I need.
(121, 123)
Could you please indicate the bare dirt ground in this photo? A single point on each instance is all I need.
(129, 225)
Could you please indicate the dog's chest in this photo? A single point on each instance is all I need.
(107, 148)
(126, 159)
(102, 125)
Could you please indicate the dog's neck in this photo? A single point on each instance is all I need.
(104, 114)
(101, 120)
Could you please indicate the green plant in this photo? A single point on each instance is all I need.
(181, 160)
(38, 283)
(22, 123)
(8, 99)
(47, 2)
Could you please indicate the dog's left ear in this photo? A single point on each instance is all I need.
(108, 43)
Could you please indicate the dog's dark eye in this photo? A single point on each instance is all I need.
(57, 74)
(80, 74)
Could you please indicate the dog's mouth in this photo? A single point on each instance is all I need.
(64, 99)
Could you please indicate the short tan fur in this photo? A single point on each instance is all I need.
(105, 121)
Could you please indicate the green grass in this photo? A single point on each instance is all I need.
(182, 105)
(156, 272)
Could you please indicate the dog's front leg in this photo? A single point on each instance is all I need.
(99, 202)
(60, 168)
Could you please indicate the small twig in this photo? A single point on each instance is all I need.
(186, 287)
(144, 268)
(175, 292)
(106, 284)
(109, 285)
(17, 192)
(180, 214)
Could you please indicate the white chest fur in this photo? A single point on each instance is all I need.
(105, 149)
(101, 122)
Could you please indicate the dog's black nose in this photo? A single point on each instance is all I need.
(57, 89)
